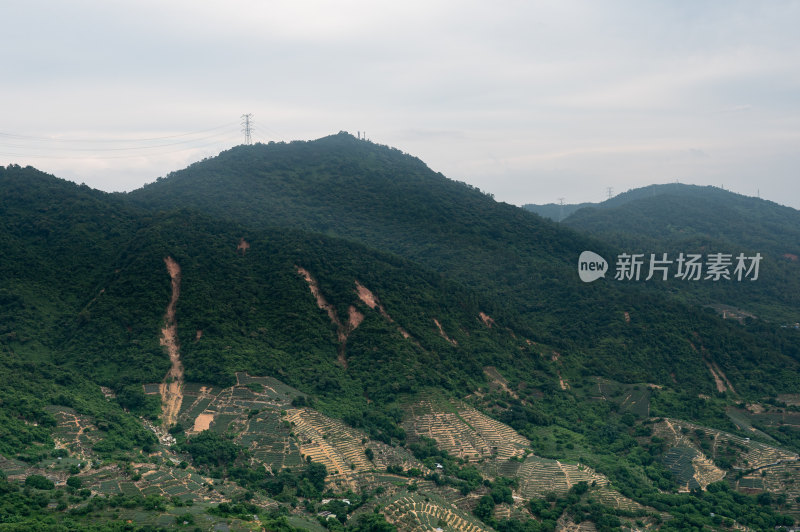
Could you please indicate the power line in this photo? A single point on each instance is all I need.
(128, 156)
(17, 136)
(19, 146)
(128, 148)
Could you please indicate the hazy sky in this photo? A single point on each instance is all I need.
(529, 100)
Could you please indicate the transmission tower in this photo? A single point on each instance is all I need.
(247, 122)
(561, 209)
(610, 192)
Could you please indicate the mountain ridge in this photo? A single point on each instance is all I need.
(351, 281)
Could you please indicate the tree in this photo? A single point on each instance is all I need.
(39, 482)
(372, 523)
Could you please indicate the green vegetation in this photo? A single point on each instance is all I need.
(348, 278)
(677, 218)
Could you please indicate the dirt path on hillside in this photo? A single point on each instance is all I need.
(171, 388)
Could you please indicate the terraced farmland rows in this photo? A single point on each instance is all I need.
(539, 475)
(341, 448)
(705, 472)
(413, 513)
(781, 478)
(74, 431)
(611, 498)
(679, 460)
(757, 454)
(451, 434)
(504, 441)
(464, 432)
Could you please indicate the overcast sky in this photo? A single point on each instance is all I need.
(531, 101)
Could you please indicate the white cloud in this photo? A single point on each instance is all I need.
(527, 97)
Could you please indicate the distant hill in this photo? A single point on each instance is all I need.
(555, 211)
(686, 218)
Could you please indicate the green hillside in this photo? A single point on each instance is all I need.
(337, 309)
(677, 218)
(522, 266)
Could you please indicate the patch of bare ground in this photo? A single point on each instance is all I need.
(243, 246)
(355, 318)
(717, 380)
(720, 379)
(343, 330)
(171, 389)
(202, 422)
(444, 334)
(321, 301)
(705, 472)
(486, 319)
(499, 380)
(370, 300)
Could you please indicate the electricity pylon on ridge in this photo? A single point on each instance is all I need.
(247, 121)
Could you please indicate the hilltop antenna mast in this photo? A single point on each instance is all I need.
(561, 209)
(246, 128)
(610, 192)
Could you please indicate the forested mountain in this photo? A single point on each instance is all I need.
(524, 265)
(675, 218)
(555, 211)
(332, 318)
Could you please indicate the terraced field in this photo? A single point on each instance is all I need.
(613, 499)
(421, 511)
(680, 462)
(755, 454)
(538, 476)
(783, 478)
(464, 432)
(343, 449)
(74, 431)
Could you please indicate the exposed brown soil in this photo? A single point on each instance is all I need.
(354, 318)
(486, 319)
(243, 246)
(495, 377)
(322, 302)
(171, 388)
(370, 300)
(627, 317)
(203, 422)
(720, 379)
(343, 330)
(444, 334)
(366, 296)
(717, 379)
(791, 256)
